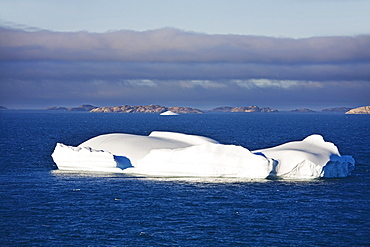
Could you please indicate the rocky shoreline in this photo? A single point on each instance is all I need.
(360, 110)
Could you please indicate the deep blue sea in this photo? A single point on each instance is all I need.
(41, 206)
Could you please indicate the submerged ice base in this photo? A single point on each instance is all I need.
(177, 154)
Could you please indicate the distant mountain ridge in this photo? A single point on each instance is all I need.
(78, 108)
(242, 109)
(302, 110)
(146, 109)
(57, 108)
(337, 109)
(178, 109)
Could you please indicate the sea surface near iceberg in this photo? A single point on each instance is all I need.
(42, 206)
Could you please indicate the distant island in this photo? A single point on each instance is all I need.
(82, 108)
(158, 109)
(3, 108)
(302, 110)
(57, 108)
(360, 110)
(78, 108)
(242, 109)
(183, 110)
(146, 109)
(337, 109)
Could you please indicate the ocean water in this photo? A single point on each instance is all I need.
(42, 206)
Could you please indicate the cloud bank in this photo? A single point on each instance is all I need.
(170, 66)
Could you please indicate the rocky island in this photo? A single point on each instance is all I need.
(82, 108)
(337, 109)
(360, 110)
(57, 108)
(302, 110)
(242, 109)
(78, 108)
(146, 109)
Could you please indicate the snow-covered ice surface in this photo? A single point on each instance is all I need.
(309, 158)
(177, 154)
(169, 113)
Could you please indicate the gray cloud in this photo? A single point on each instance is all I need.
(170, 66)
(172, 45)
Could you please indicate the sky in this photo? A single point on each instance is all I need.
(282, 54)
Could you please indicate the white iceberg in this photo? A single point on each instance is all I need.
(168, 113)
(176, 154)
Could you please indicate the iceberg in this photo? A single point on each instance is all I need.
(177, 154)
(169, 113)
